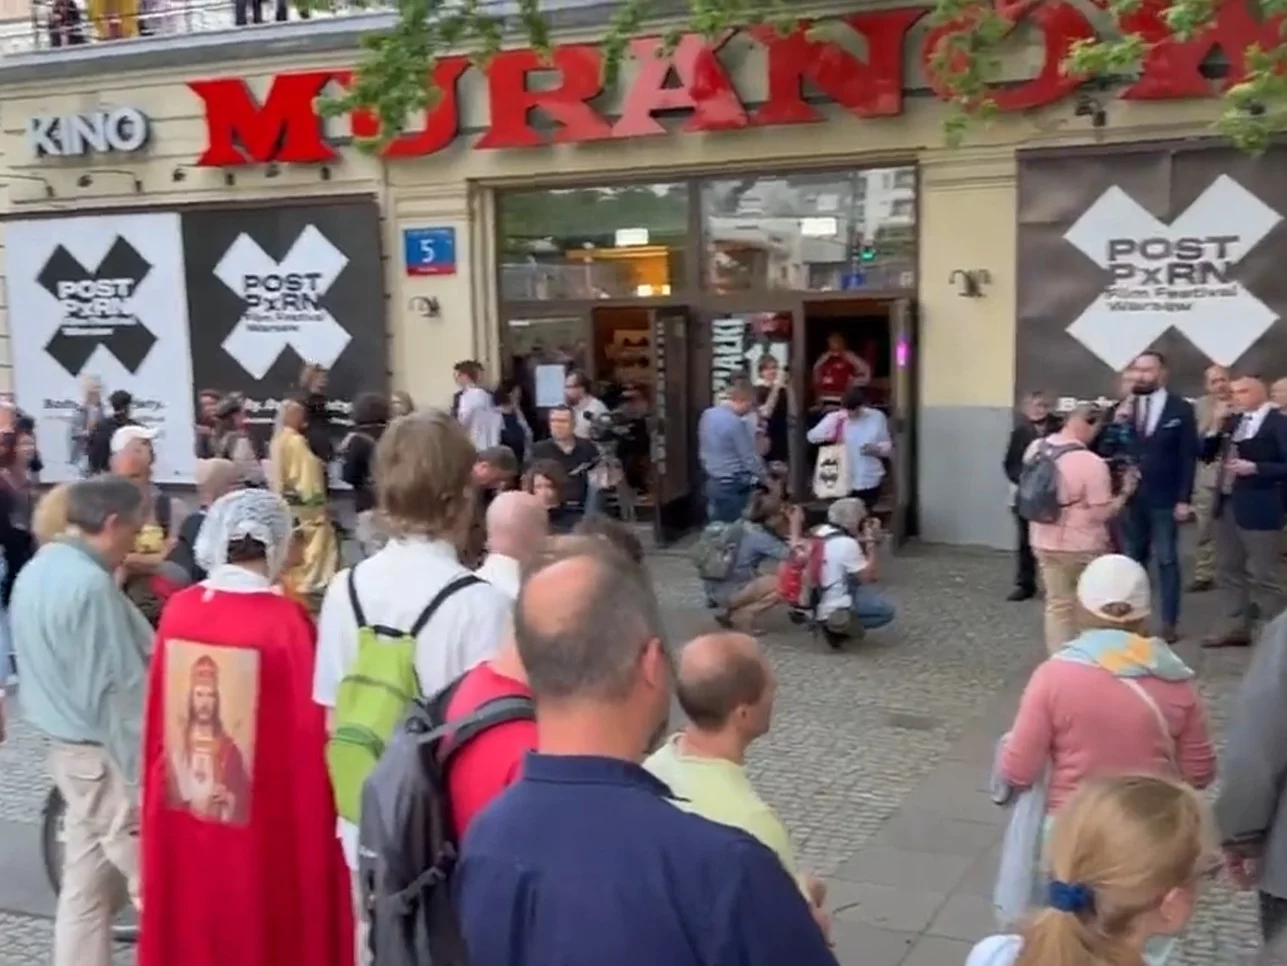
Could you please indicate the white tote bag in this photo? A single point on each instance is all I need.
(831, 471)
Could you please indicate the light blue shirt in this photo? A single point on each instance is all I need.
(726, 445)
(83, 648)
(868, 428)
(756, 546)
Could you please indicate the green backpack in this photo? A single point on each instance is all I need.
(715, 553)
(374, 696)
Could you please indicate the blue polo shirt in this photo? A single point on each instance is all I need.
(585, 862)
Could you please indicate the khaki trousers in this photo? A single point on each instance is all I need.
(750, 601)
(101, 863)
(1204, 555)
(1060, 570)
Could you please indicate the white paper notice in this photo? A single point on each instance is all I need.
(549, 386)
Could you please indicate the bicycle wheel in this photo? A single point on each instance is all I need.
(51, 837)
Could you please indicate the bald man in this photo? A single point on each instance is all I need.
(726, 689)
(516, 525)
(585, 860)
(1249, 451)
(1211, 410)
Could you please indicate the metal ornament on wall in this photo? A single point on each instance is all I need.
(1174, 248)
(425, 306)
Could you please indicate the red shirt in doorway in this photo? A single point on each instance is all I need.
(833, 375)
(493, 761)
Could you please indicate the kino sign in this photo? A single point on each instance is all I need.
(122, 130)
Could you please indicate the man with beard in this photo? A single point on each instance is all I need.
(1164, 448)
(1035, 421)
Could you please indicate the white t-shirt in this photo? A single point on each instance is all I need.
(481, 419)
(394, 586)
(501, 572)
(995, 951)
(841, 557)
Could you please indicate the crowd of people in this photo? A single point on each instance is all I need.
(1129, 476)
(229, 748)
(71, 23)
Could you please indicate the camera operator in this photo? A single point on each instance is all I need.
(575, 456)
(586, 408)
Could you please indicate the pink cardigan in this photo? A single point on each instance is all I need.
(1088, 723)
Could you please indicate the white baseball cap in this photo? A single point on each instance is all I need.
(128, 434)
(1115, 588)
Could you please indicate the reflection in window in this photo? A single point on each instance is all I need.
(814, 232)
(593, 243)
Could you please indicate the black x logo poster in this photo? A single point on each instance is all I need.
(102, 297)
(97, 307)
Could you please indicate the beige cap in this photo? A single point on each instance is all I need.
(1115, 588)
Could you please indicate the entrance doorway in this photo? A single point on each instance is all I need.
(872, 339)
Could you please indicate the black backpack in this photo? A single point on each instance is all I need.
(1037, 497)
(407, 845)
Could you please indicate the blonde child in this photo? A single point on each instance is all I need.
(1127, 856)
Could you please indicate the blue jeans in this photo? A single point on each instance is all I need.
(726, 499)
(870, 609)
(1152, 532)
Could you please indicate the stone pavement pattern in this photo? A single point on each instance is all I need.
(877, 760)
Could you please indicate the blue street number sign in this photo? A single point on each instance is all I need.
(430, 251)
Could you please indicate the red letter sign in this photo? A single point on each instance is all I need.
(286, 127)
(868, 89)
(706, 89)
(511, 101)
(1172, 68)
(1061, 25)
(442, 122)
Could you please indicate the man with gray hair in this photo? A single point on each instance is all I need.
(586, 860)
(851, 538)
(84, 650)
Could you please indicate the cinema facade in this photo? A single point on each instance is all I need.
(711, 208)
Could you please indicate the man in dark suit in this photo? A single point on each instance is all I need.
(1035, 422)
(1164, 448)
(1250, 448)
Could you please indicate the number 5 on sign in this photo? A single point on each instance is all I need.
(429, 251)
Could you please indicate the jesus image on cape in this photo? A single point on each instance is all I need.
(207, 770)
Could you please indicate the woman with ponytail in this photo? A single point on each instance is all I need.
(1126, 858)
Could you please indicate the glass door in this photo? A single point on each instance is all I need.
(902, 416)
(539, 351)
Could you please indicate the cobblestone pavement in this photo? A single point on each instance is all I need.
(854, 731)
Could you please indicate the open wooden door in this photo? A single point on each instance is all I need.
(673, 446)
(902, 417)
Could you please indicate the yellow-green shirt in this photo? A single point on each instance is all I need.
(719, 790)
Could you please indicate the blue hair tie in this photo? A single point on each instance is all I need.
(1072, 897)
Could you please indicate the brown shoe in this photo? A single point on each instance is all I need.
(1200, 586)
(1236, 639)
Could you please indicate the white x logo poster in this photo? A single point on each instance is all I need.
(1180, 275)
(276, 288)
(283, 301)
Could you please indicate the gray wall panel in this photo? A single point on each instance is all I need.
(963, 493)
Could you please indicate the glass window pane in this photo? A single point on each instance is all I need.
(593, 243)
(811, 232)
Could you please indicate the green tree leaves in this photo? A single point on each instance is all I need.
(391, 79)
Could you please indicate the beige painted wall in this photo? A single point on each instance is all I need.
(967, 204)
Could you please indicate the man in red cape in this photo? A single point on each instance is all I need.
(240, 865)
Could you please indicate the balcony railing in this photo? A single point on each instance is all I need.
(69, 23)
(60, 24)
